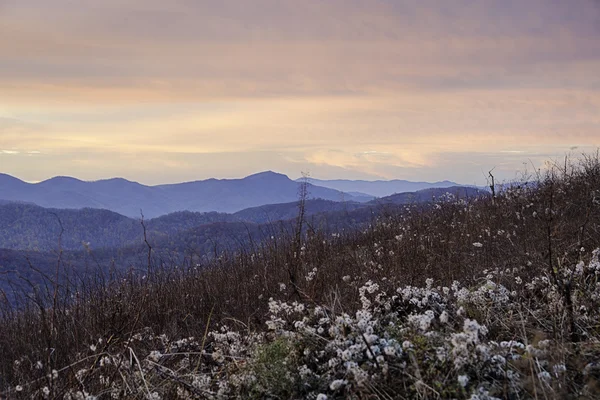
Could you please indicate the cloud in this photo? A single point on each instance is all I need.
(204, 50)
(372, 88)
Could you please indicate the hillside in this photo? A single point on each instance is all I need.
(33, 228)
(476, 296)
(432, 195)
(110, 240)
(30, 227)
(100, 238)
(285, 211)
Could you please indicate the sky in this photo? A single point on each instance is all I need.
(169, 91)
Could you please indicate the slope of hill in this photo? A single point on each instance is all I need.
(283, 211)
(379, 188)
(131, 198)
(431, 195)
(183, 220)
(31, 227)
(476, 299)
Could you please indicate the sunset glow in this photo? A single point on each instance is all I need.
(169, 91)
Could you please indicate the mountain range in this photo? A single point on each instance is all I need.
(130, 198)
(220, 195)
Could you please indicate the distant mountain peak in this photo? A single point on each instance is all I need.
(9, 178)
(62, 179)
(116, 179)
(121, 181)
(267, 175)
(448, 182)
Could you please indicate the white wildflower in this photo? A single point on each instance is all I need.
(154, 356)
(218, 356)
(337, 384)
(153, 396)
(444, 317)
(371, 338)
(558, 369)
(518, 280)
(389, 350)
(544, 344)
(463, 380)
(579, 268)
(311, 275)
(544, 376)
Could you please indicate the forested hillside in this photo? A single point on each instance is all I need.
(26, 226)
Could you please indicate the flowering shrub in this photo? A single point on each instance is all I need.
(479, 342)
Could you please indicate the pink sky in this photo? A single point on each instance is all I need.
(168, 91)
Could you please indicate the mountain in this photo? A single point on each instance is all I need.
(231, 195)
(379, 188)
(130, 198)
